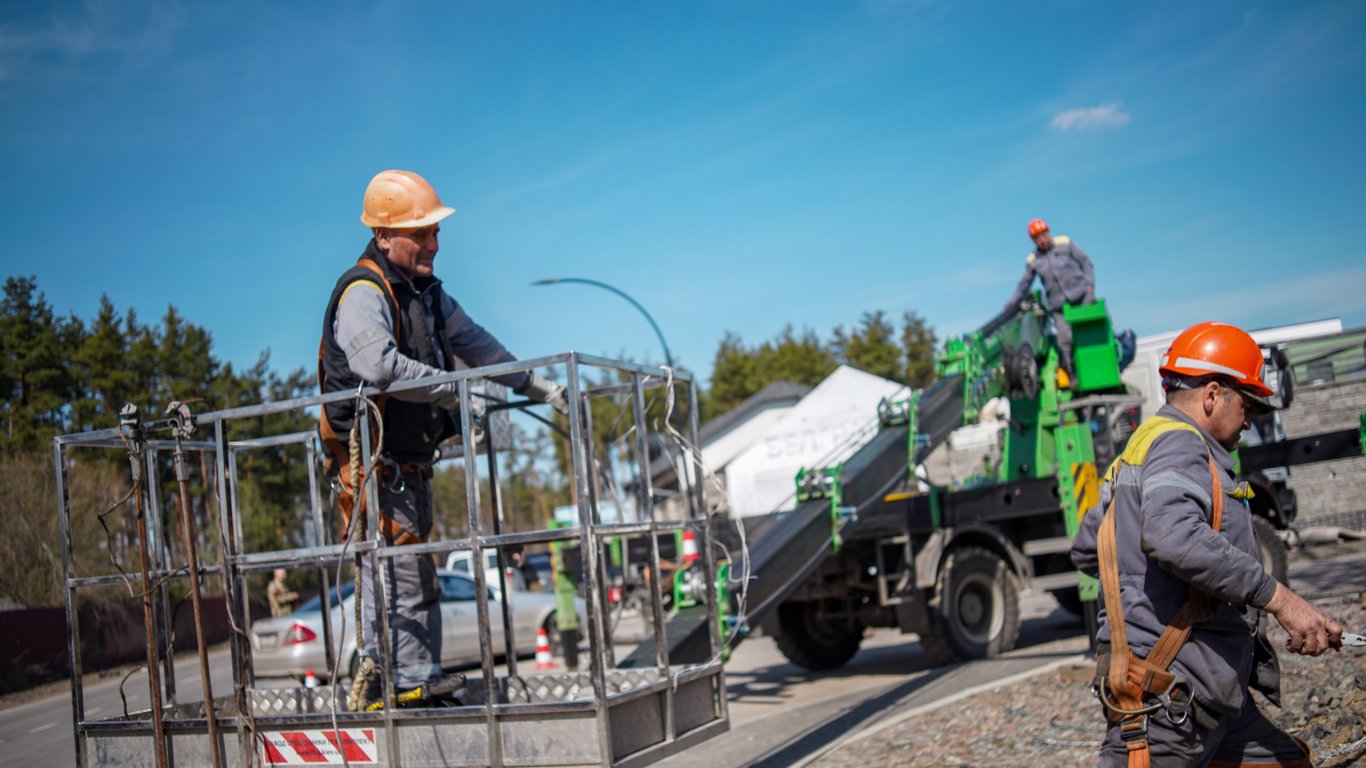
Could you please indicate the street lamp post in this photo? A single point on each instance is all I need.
(668, 358)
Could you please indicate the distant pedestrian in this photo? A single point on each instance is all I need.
(281, 599)
(1068, 278)
(1181, 647)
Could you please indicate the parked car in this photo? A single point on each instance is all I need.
(459, 562)
(289, 646)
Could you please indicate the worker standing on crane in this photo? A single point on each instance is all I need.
(1182, 582)
(1067, 278)
(388, 320)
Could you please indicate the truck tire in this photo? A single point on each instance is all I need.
(812, 639)
(1273, 549)
(975, 610)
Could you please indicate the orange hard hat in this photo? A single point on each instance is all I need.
(1036, 226)
(401, 200)
(1217, 349)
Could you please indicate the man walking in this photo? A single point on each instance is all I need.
(389, 320)
(1183, 585)
(1067, 278)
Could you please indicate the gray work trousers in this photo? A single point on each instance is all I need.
(1248, 739)
(1063, 331)
(413, 595)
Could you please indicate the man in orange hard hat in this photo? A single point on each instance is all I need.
(1172, 542)
(388, 320)
(1067, 278)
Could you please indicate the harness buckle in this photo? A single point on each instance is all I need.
(1134, 729)
(395, 472)
(1176, 707)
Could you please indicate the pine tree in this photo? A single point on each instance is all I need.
(871, 347)
(919, 342)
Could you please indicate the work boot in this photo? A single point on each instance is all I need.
(438, 692)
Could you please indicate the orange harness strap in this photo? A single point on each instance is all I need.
(337, 452)
(1129, 676)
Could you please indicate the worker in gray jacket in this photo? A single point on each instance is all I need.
(1183, 585)
(1067, 278)
(390, 320)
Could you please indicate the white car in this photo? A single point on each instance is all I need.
(289, 646)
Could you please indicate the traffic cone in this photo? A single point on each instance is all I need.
(689, 547)
(310, 679)
(544, 660)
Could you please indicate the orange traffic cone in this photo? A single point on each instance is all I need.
(544, 660)
(310, 679)
(689, 547)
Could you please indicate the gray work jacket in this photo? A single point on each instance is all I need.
(1165, 544)
(1066, 273)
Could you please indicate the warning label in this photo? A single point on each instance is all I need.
(354, 746)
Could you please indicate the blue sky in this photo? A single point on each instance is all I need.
(733, 166)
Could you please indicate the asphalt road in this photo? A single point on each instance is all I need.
(780, 714)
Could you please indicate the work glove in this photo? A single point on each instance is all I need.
(543, 390)
(476, 408)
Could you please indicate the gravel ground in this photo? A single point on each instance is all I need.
(1053, 720)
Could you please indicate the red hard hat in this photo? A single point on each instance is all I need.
(1211, 348)
(1036, 226)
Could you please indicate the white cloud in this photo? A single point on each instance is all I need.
(1087, 118)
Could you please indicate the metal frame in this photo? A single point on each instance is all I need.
(638, 716)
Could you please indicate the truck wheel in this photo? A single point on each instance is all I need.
(975, 611)
(1273, 549)
(813, 639)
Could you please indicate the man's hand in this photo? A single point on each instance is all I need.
(1311, 633)
(476, 408)
(545, 391)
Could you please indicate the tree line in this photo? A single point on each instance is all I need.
(63, 374)
(874, 345)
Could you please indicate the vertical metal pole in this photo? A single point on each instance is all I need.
(588, 544)
(481, 597)
(234, 593)
(182, 476)
(595, 506)
(647, 510)
(162, 557)
(73, 635)
(148, 618)
(709, 552)
(380, 586)
(320, 539)
(496, 501)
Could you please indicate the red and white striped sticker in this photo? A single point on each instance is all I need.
(320, 747)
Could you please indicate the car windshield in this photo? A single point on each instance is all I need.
(315, 603)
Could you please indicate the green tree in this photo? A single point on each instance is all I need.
(871, 347)
(739, 372)
(34, 366)
(101, 365)
(919, 342)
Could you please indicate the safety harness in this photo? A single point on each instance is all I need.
(1131, 687)
(338, 458)
(1134, 687)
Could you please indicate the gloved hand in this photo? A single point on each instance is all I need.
(543, 390)
(476, 408)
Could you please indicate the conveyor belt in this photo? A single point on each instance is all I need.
(788, 546)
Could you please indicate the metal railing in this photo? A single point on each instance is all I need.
(689, 699)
